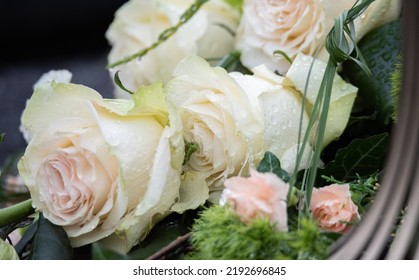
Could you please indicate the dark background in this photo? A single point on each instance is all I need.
(38, 36)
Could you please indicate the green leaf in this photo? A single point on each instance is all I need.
(237, 4)
(2, 137)
(7, 252)
(361, 158)
(270, 163)
(380, 49)
(190, 148)
(220, 234)
(160, 236)
(100, 252)
(50, 242)
(230, 61)
(26, 238)
(284, 55)
(118, 82)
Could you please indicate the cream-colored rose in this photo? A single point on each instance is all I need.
(138, 23)
(298, 27)
(333, 208)
(262, 195)
(217, 116)
(279, 100)
(102, 167)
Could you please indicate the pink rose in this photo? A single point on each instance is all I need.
(333, 207)
(260, 195)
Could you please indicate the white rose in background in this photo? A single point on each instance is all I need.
(279, 101)
(98, 167)
(217, 116)
(298, 27)
(138, 23)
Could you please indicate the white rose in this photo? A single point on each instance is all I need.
(138, 24)
(217, 116)
(280, 102)
(98, 167)
(298, 27)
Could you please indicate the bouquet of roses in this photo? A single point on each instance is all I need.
(239, 130)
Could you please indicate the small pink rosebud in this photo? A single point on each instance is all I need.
(260, 195)
(333, 208)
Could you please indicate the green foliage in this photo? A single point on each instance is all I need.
(340, 46)
(270, 163)
(362, 157)
(396, 83)
(100, 252)
(7, 252)
(190, 148)
(50, 242)
(237, 4)
(220, 234)
(362, 190)
(380, 48)
(161, 235)
(284, 55)
(118, 82)
(2, 137)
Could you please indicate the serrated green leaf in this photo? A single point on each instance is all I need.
(361, 158)
(380, 49)
(100, 252)
(50, 242)
(270, 163)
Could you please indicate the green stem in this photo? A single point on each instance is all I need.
(166, 34)
(16, 212)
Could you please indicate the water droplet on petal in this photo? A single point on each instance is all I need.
(344, 87)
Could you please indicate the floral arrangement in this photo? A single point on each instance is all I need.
(240, 129)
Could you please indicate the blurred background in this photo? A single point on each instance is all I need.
(38, 36)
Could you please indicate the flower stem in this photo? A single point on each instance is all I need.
(16, 212)
(166, 34)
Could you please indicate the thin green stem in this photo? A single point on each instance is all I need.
(166, 34)
(16, 212)
(326, 87)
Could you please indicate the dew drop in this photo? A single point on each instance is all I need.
(275, 108)
(344, 87)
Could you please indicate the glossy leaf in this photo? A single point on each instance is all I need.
(100, 252)
(380, 49)
(270, 163)
(361, 158)
(50, 242)
(161, 235)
